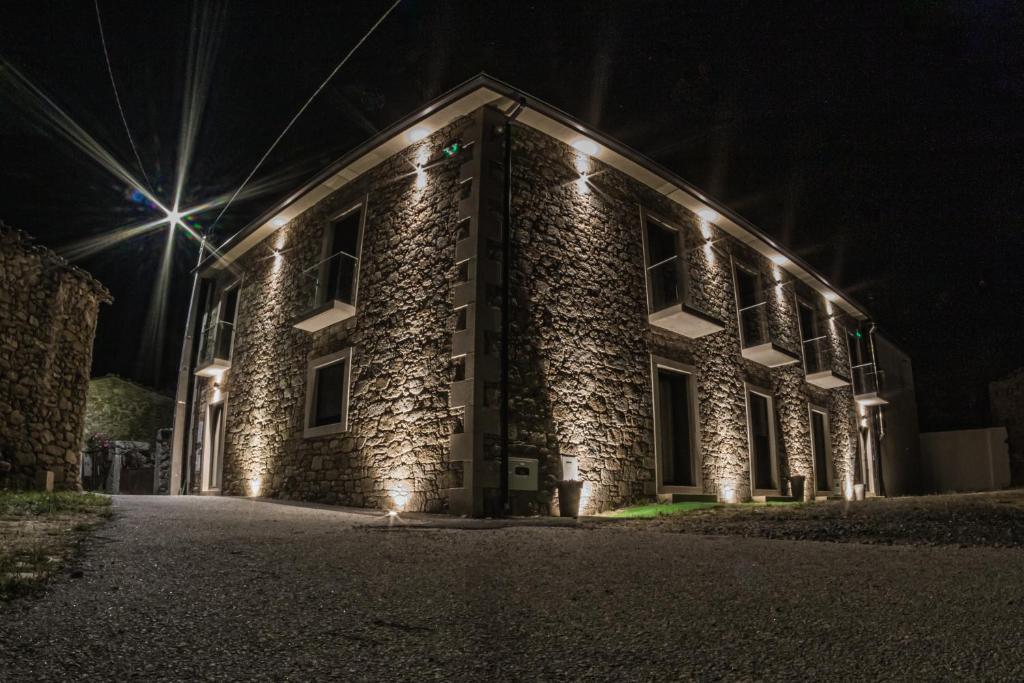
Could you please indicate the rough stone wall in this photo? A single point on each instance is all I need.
(1006, 399)
(126, 411)
(48, 313)
(398, 421)
(582, 344)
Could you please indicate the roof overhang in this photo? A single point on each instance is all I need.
(484, 90)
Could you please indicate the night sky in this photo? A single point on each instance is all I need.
(883, 142)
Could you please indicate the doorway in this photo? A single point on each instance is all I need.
(821, 451)
(213, 463)
(761, 432)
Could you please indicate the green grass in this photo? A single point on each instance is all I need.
(659, 509)
(37, 503)
(653, 510)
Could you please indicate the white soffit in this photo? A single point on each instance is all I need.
(549, 126)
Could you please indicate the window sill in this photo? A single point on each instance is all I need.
(324, 430)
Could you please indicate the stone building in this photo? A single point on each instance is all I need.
(1006, 401)
(48, 312)
(380, 339)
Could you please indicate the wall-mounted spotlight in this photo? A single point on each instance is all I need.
(709, 215)
(417, 134)
(586, 146)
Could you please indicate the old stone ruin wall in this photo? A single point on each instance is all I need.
(48, 313)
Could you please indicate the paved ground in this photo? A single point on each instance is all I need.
(234, 589)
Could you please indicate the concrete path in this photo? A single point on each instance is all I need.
(233, 589)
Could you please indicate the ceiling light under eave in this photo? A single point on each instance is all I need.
(586, 146)
(710, 215)
(417, 134)
(279, 222)
(831, 296)
(779, 260)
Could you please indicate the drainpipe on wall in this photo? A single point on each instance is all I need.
(506, 301)
(880, 412)
(182, 404)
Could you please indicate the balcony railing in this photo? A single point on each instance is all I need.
(330, 287)
(215, 348)
(756, 339)
(818, 364)
(869, 384)
(670, 305)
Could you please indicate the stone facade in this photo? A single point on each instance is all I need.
(581, 345)
(1006, 399)
(48, 311)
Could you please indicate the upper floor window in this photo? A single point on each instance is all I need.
(814, 351)
(752, 308)
(339, 269)
(217, 328)
(663, 246)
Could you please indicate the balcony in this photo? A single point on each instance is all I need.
(331, 287)
(818, 364)
(215, 348)
(667, 299)
(869, 385)
(756, 340)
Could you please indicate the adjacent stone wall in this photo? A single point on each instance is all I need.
(1006, 398)
(48, 312)
(126, 411)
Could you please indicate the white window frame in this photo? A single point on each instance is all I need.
(749, 389)
(326, 247)
(659, 363)
(830, 475)
(682, 270)
(313, 431)
(207, 482)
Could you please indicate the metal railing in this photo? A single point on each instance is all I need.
(332, 279)
(867, 379)
(754, 325)
(666, 283)
(216, 341)
(817, 354)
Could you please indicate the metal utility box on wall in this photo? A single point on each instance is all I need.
(522, 474)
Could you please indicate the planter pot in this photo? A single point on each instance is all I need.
(569, 498)
(858, 491)
(796, 487)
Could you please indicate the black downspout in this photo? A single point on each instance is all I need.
(506, 302)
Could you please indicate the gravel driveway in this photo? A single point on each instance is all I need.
(233, 589)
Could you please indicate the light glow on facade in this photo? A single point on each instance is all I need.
(586, 146)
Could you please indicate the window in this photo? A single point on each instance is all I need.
(226, 328)
(761, 428)
(340, 267)
(664, 266)
(811, 341)
(327, 390)
(821, 449)
(676, 443)
(753, 312)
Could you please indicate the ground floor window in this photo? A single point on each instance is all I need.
(675, 424)
(761, 428)
(327, 391)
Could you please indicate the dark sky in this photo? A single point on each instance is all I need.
(883, 142)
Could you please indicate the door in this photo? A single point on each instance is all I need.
(675, 433)
(215, 446)
(821, 451)
(761, 447)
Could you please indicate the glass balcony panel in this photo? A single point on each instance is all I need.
(666, 284)
(817, 355)
(333, 279)
(754, 325)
